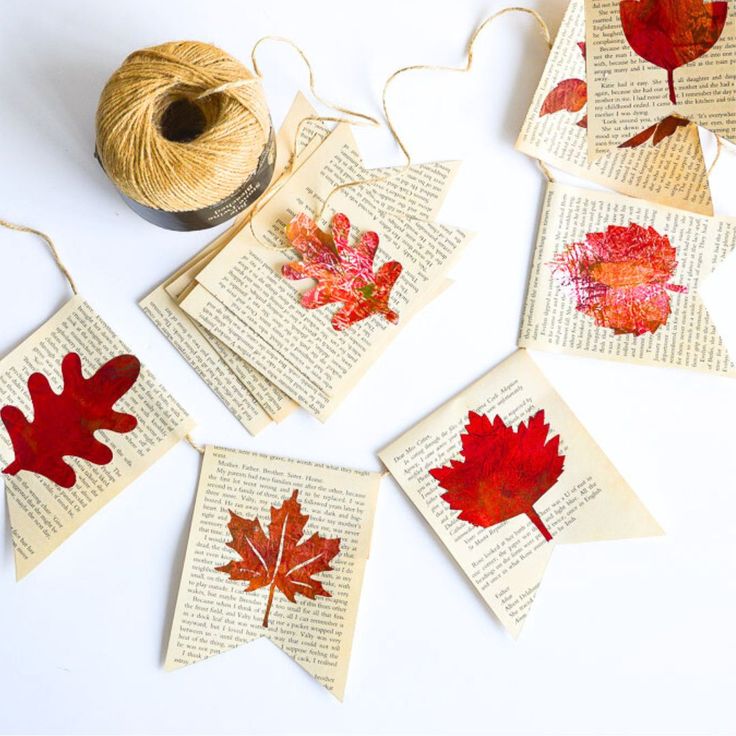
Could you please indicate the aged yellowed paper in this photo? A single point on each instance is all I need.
(250, 397)
(244, 301)
(589, 502)
(215, 613)
(572, 317)
(42, 513)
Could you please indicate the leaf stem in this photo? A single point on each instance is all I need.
(14, 468)
(270, 601)
(671, 85)
(537, 521)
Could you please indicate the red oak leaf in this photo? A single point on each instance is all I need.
(64, 424)
(672, 33)
(504, 472)
(620, 277)
(658, 132)
(344, 273)
(278, 560)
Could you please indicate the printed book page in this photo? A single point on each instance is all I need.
(618, 278)
(245, 277)
(670, 171)
(216, 611)
(287, 374)
(589, 501)
(43, 513)
(632, 78)
(193, 345)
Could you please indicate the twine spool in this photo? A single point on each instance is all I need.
(184, 133)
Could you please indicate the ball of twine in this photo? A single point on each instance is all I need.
(181, 126)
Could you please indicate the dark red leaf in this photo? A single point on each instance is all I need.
(672, 33)
(64, 424)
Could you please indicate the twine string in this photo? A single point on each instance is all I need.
(199, 448)
(51, 247)
(348, 116)
(456, 69)
(719, 148)
(436, 68)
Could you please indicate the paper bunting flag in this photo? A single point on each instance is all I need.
(503, 473)
(617, 278)
(242, 298)
(277, 548)
(649, 59)
(662, 163)
(81, 419)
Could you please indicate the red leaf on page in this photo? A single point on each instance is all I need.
(278, 560)
(569, 94)
(620, 277)
(504, 471)
(672, 33)
(657, 132)
(64, 424)
(344, 273)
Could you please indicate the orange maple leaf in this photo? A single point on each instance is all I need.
(279, 560)
(344, 273)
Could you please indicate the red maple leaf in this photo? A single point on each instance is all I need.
(344, 273)
(64, 424)
(504, 472)
(672, 33)
(620, 277)
(278, 560)
(657, 132)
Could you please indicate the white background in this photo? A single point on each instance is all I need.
(632, 637)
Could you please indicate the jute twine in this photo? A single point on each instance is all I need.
(49, 244)
(181, 126)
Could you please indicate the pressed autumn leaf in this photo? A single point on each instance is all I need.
(672, 33)
(569, 94)
(344, 273)
(657, 132)
(620, 277)
(64, 424)
(278, 560)
(504, 472)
